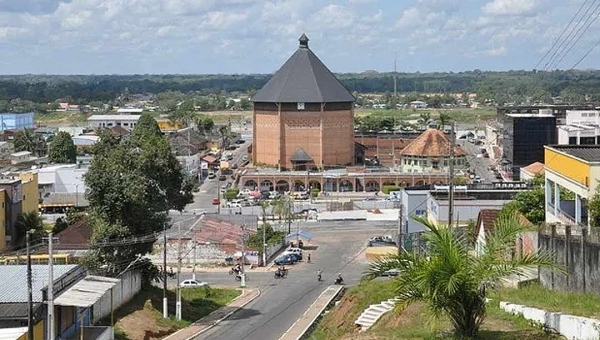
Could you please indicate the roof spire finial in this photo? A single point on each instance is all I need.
(303, 41)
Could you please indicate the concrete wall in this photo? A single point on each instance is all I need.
(131, 284)
(570, 326)
(575, 251)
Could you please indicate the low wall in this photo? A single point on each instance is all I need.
(131, 284)
(570, 326)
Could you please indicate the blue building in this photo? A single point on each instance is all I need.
(16, 121)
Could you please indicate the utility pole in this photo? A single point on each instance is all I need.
(264, 253)
(165, 305)
(219, 198)
(451, 177)
(50, 288)
(395, 92)
(289, 216)
(400, 238)
(243, 278)
(194, 268)
(29, 292)
(178, 303)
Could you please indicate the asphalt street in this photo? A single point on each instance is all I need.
(339, 250)
(477, 162)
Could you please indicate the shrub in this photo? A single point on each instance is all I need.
(388, 188)
(231, 194)
(315, 192)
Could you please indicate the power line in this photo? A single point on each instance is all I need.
(570, 37)
(581, 35)
(586, 54)
(561, 34)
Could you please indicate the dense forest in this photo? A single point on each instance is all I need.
(498, 87)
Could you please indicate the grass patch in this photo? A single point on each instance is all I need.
(414, 322)
(73, 117)
(461, 115)
(355, 301)
(141, 318)
(535, 295)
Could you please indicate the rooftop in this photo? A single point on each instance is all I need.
(303, 78)
(535, 168)
(86, 292)
(530, 115)
(586, 153)
(113, 117)
(431, 143)
(13, 282)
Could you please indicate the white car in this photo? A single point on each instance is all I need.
(297, 251)
(234, 205)
(193, 283)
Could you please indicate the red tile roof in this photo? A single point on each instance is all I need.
(77, 236)
(209, 159)
(221, 232)
(489, 216)
(536, 168)
(431, 143)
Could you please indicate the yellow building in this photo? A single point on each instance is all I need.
(572, 174)
(29, 181)
(167, 125)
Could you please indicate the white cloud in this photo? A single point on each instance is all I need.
(509, 7)
(500, 51)
(333, 16)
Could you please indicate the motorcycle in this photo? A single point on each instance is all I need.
(234, 271)
(281, 274)
(238, 277)
(319, 277)
(339, 280)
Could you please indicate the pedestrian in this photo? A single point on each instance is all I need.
(308, 258)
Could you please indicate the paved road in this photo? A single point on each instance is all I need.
(282, 302)
(478, 163)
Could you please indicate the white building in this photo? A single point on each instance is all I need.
(5, 150)
(20, 157)
(62, 178)
(85, 140)
(585, 117)
(429, 153)
(107, 121)
(130, 111)
(582, 128)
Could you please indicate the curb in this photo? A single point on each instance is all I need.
(216, 322)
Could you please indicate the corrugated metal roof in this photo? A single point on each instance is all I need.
(303, 79)
(15, 311)
(86, 292)
(13, 281)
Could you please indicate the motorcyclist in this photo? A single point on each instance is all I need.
(339, 279)
(237, 268)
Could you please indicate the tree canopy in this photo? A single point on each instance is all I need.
(131, 187)
(531, 203)
(62, 149)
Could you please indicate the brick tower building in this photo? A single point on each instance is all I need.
(303, 116)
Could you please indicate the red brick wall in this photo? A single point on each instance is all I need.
(302, 130)
(338, 137)
(266, 138)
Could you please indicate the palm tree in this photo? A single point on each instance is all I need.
(29, 222)
(26, 140)
(443, 120)
(424, 119)
(454, 281)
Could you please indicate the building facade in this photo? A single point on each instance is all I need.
(523, 139)
(430, 152)
(303, 116)
(16, 121)
(572, 173)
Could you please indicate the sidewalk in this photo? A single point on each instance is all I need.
(248, 295)
(303, 324)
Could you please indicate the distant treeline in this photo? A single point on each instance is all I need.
(498, 87)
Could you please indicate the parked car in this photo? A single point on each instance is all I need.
(234, 205)
(234, 167)
(391, 272)
(216, 201)
(192, 283)
(370, 198)
(245, 158)
(274, 195)
(211, 175)
(296, 251)
(222, 178)
(286, 259)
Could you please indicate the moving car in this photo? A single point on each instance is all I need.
(222, 178)
(234, 205)
(211, 175)
(216, 201)
(192, 283)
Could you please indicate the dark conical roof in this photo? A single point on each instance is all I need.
(303, 79)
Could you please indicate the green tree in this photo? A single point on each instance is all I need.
(424, 119)
(62, 149)
(594, 209)
(443, 120)
(27, 140)
(131, 187)
(454, 281)
(145, 127)
(531, 203)
(29, 222)
(59, 225)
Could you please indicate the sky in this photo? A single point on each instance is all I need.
(257, 36)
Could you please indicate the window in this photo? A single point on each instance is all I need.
(125, 124)
(300, 106)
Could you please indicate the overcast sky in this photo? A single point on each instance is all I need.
(257, 36)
